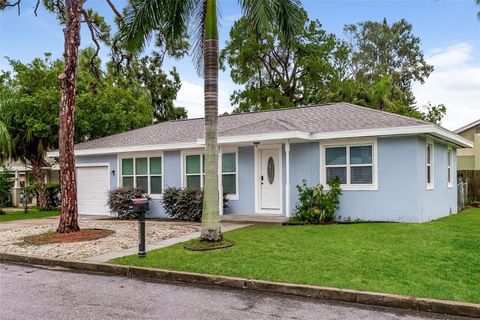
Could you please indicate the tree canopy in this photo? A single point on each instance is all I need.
(163, 87)
(374, 68)
(379, 50)
(32, 114)
(277, 73)
(478, 13)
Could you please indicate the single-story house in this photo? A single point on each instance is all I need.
(469, 158)
(391, 168)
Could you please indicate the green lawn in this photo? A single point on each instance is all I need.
(32, 214)
(439, 259)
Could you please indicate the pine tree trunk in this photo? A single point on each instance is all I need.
(68, 82)
(40, 182)
(211, 216)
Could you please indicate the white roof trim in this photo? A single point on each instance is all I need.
(261, 137)
(452, 137)
(468, 126)
(434, 130)
(100, 151)
(394, 131)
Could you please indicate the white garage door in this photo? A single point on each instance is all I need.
(92, 188)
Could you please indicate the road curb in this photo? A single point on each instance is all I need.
(325, 293)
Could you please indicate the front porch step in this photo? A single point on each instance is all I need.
(254, 219)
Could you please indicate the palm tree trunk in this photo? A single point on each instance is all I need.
(211, 216)
(68, 81)
(4, 140)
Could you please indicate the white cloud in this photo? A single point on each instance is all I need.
(455, 83)
(456, 54)
(190, 96)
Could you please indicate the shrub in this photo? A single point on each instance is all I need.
(119, 200)
(315, 205)
(6, 183)
(30, 191)
(185, 204)
(53, 194)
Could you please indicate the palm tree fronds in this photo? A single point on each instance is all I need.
(286, 14)
(257, 11)
(144, 17)
(198, 37)
(139, 20)
(4, 139)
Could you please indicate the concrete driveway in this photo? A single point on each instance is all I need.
(55, 293)
(18, 224)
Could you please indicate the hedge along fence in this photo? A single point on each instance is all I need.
(472, 177)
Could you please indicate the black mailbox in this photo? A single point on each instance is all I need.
(139, 205)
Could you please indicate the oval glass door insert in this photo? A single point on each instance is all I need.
(271, 170)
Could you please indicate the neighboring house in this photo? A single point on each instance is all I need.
(392, 168)
(23, 177)
(469, 158)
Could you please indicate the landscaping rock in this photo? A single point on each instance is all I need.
(125, 236)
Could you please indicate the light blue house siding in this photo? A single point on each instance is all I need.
(402, 191)
(442, 200)
(246, 181)
(172, 178)
(110, 159)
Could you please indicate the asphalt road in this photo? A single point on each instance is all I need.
(56, 293)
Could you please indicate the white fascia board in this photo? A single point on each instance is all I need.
(372, 132)
(261, 137)
(157, 147)
(452, 137)
(409, 130)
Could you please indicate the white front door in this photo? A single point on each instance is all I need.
(270, 184)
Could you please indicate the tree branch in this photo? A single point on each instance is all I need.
(112, 6)
(97, 45)
(11, 5)
(35, 7)
(269, 68)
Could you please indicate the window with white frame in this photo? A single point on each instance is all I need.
(143, 173)
(429, 165)
(194, 171)
(352, 164)
(449, 167)
(229, 172)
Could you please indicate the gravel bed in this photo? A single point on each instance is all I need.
(125, 236)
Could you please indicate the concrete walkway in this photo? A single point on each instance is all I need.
(162, 244)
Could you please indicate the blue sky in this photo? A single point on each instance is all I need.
(449, 30)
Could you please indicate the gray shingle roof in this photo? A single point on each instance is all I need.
(312, 119)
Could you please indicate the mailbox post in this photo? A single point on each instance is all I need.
(140, 206)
